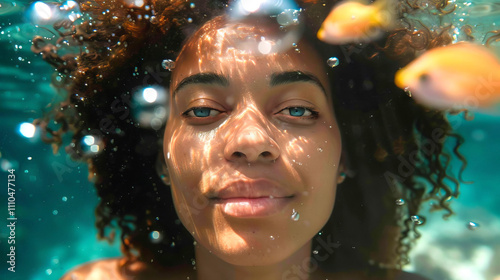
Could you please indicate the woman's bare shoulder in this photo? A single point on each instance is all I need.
(363, 275)
(410, 276)
(100, 269)
(119, 268)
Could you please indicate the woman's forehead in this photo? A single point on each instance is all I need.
(234, 50)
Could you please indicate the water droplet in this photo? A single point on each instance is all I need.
(64, 199)
(333, 61)
(315, 252)
(168, 64)
(417, 220)
(472, 226)
(400, 202)
(295, 215)
(55, 212)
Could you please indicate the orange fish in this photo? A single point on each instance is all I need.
(353, 21)
(462, 75)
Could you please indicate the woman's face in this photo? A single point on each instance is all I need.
(252, 148)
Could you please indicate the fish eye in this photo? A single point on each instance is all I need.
(423, 78)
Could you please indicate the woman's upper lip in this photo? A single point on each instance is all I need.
(250, 188)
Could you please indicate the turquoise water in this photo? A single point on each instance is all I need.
(55, 201)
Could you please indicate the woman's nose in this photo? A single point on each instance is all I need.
(249, 141)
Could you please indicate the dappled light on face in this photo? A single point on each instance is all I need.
(241, 38)
(244, 117)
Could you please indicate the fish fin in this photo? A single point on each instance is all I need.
(321, 33)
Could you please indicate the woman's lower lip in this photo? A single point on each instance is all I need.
(252, 207)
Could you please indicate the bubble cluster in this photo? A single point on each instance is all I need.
(52, 12)
(417, 220)
(285, 15)
(150, 106)
(91, 144)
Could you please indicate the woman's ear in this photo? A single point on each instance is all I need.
(161, 169)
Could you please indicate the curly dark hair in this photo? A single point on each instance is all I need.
(393, 147)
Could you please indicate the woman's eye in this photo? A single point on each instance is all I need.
(301, 112)
(201, 112)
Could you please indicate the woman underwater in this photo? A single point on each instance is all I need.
(277, 166)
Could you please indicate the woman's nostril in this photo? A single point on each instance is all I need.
(266, 154)
(238, 154)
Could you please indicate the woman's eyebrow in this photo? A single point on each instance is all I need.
(293, 77)
(203, 78)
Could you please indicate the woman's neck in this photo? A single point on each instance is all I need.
(210, 267)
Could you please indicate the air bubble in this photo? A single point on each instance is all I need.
(333, 62)
(315, 252)
(271, 237)
(417, 220)
(155, 236)
(168, 64)
(295, 215)
(320, 150)
(64, 199)
(400, 202)
(472, 226)
(55, 212)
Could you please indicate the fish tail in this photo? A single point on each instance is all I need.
(385, 12)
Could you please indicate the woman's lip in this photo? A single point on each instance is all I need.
(243, 207)
(250, 188)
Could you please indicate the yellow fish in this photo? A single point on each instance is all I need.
(462, 75)
(353, 21)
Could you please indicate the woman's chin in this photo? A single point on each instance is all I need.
(254, 252)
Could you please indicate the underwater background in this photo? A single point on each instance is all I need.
(54, 201)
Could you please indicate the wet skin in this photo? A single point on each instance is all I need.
(251, 138)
